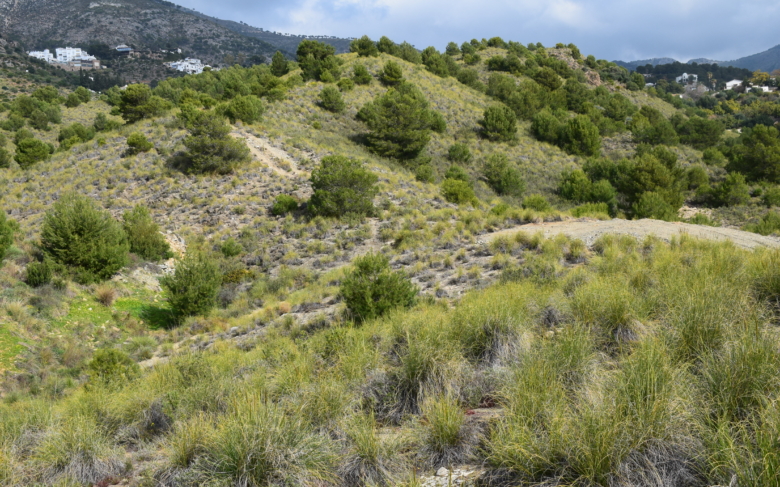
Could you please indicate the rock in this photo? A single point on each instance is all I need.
(442, 472)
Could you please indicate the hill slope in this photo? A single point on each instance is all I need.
(144, 24)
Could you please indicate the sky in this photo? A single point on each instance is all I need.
(625, 30)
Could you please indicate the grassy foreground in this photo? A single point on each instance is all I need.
(639, 363)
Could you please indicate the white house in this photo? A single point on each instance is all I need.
(765, 89)
(733, 84)
(685, 77)
(44, 55)
(189, 65)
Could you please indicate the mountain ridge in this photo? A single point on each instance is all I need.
(767, 61)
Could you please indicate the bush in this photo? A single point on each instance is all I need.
(372, 288)
(38, 273)
(536, 202)
(112, 366)
(193, 287)
(391, 74)
(400, 122)
(248, 109)
(346, 84)
(502, 176)
(210, 148)
(331, 100)
(771, 196)
(769, 224)
(144, 236)
(231, 248)
(653, 205)
(360, 75)
(279, 65)
(317, 60)
(78, 234)
(459, 153)
(137, 143)
(732, 191)
(364, 47)
(580, 136)
(499, 123)
(284, 204)
(7, 231)
(72, 101)
(5, 158)
(31, 151)
(458, 192)
(136, 103)
(458, 173)
(103, 124)
(425, 173)
(341, 186)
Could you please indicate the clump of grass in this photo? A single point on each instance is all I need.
(370, 458)
(258, 443)
(77, 449)
(447, 439)
(105, 294)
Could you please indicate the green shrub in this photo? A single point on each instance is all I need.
(399, 122)
(247, 108)
(5, 158)
(231, 248)
(284, 204)
(653, 205)
(341, 186)
(31, 151)
(279, 65)
(38, 273)
(594, 210)
(7, 230)
(536, 202)
(458, 173)
(72, 101)
(458, 192)
(112, 366)
(771, 196)
(13, 123)
(371, 288)
(104, 124)
(346, 84)
(78, 234)
(317, 61)
(425, 173)
(144, 235)
(193, 287)
(503, 176)
(580, 136)
(499, 123)
(210, 148)
(769, 224)
(137, 102)
(732, 191)
(459, 153)
(331, 100)
(364, 47)
(391, 74)
(360, 75)
(137, 143)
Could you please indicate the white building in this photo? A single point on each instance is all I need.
(733, 84)
(68, 54)
(44, 55)
(765, 89)
(685, 77)
(189, 65)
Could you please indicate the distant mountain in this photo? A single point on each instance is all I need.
(768, 61)
(632, 65)
(284, 42)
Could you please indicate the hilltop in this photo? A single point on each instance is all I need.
(363, 268)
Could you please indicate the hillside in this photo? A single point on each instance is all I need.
(365, 268)
(144, 24)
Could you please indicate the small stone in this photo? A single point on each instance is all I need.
(442, 472)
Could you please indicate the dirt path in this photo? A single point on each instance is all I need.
(277, 159)
(589, 230)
